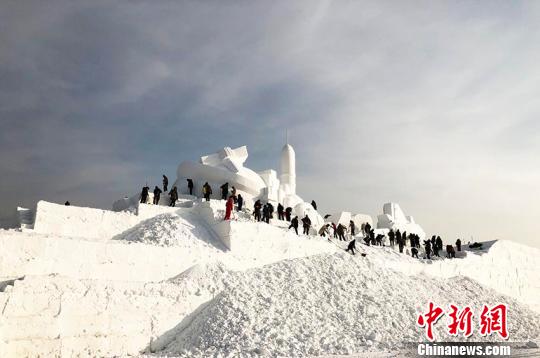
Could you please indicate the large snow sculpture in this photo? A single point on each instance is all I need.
(227, 165)
(394, 218)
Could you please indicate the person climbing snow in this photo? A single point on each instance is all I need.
(414, 252)
(144, 194)
(352, 246)
(228, 208)
(173, 194)
(207, 191)
(157, 193)
(306, 223)
(224, 191)
(325, 230)
(294, 224)
(165, 183)
(190, 186)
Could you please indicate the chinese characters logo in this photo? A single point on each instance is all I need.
(491, 320)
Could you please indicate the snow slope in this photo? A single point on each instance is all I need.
(328, 304)
(165, 284)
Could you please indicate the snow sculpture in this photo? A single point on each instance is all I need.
(227, 165)
(393, 218)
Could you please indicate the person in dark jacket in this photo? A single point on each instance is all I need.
(352, 246)
(334, 228)
(165, 183)
(266, 214)
(157, 193)
(450, 252)
(314, 204)
(280, 212)
(288, 213)
(414, 252)
(190, 186)
(341, 232)
(458, 244)
(391, 237)
(67, 203)
(439, 243)
(240, 202)
(207, 191)
(367, 229)
(144, 194)
(224, 191)
(294, 224)
(257, 210)
(352, 227)
(173, 194)
(306, 223)
(401, 243)
(427, 245)
(270, 211)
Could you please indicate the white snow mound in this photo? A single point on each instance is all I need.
(331, 304)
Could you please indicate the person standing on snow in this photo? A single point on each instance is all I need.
(240, 202)
(352, 227)
(144, 194)
(294, 224)
(439, 243)
(280, 212)
(306, 223)
(391, 236)
(341, 232)
(165, 183)
(228, 208)
(224, 191)
(207, 191)
(458, 244)
(414, 252)
(157, 193)
(367, 229)
(288, 213)
(270, 211)
(190, 186)
(266, 214)
(257, 210)
(174, 196)
(427, 244)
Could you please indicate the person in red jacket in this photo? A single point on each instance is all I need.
(229, 207)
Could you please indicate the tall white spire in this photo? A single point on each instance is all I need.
(288, 168)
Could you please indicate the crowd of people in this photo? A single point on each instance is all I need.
(264, 212)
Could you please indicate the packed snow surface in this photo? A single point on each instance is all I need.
(167, 286)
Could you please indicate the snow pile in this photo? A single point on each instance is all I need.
(330, 304)
(178, 229)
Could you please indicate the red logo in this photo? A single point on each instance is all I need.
(461, 320)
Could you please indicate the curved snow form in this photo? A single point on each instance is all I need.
(330, 304)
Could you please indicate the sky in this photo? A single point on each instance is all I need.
(430, 104)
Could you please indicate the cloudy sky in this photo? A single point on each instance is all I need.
(430, 104)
